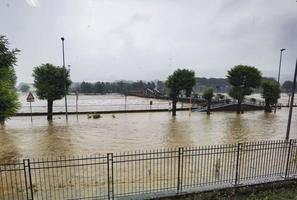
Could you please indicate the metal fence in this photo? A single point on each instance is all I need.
(97, 108)
(147, 174)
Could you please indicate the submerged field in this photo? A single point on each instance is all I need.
(136, 131)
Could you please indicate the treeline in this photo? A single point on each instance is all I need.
(121, 87)
(218, 84)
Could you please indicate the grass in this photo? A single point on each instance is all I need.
(277, 194)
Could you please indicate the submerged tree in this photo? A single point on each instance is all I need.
(244, 79)
(181, 79)
(271, 93)
(208, 95)
(50, 82)
(9, 103)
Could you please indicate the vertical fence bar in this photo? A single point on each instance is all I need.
(237, 164)
(28, 179)
(110, 184)
(112, 178)
(288, 159)
(179, 169)
(25, 175)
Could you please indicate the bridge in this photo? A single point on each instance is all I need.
(247, 104)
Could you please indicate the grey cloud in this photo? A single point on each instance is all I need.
(112, 39)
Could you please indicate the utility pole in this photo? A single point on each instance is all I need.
(65, 78)
(291, 105)
(279, 69)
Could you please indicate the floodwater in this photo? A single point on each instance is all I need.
(89, 103)
(20, 138)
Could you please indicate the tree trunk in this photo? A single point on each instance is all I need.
(49, 110)
(174, 101)
(267, 107)
(2, 121)
(208, 106)
(239, 107)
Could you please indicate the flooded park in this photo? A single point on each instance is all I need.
(135, 131)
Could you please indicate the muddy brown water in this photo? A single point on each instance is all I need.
(20, 138)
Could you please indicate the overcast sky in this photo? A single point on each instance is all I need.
(107, 40)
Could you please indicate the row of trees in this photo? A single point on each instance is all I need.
(121, 87)
(243, 79)
(52, 81)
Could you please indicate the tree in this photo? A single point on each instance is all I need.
(181, 79)
(243, 79)
(24, 87)
(9, 103)
(207, 95)
(50, 82)
(271, 93)
(86, 87)
(287, 86)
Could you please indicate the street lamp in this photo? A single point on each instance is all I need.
(279, 69)
(65, 87)
(291, 104)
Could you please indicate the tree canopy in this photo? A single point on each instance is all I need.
(181, 79)
(271, 93)
(24, 87)
(208, 95)
(243, 79)
(287, 86)
(50, 82)
(9, 103)
(121, 87)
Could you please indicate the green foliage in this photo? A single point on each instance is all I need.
(208, 94)
(8, 96)
(121, 87)
(271, 93)
(49, 81)
(243, 79)
(9, 104)
(7, 57)
(24, 87)
(181, 79)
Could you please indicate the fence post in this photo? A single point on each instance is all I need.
(110, 185)
(180, 170)
(237, 164)
(288, 158)
(28, 179)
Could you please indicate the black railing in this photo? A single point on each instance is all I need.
(147, 174)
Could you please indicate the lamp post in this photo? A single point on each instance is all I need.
(279, 69)
(65, 87)
(292, 103)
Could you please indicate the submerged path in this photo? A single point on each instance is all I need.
(101, 112)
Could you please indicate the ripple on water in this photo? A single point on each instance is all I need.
(136, 131)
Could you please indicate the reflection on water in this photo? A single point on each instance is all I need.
(237, 129)
(54, 139)
(177, 133)
(9, 150)
(136, 131)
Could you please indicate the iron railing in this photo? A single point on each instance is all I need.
(147, 174)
